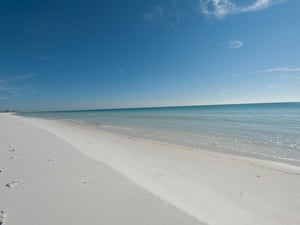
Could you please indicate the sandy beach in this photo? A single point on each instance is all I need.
(54, 172)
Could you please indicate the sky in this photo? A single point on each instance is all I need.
(75, 54)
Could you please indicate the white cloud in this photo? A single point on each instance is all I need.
(235, 44)
(221, 8)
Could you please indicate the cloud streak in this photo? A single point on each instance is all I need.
(283, 69)
(235, 44)
(22, 77)
(221, 8)
(287, 76)
(270, 87)
(12, 86)
(43, 57)
(5, 88)
(5, 97)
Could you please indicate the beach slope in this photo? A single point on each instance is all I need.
(44, 180)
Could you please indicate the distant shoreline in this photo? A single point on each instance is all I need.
(157, 107)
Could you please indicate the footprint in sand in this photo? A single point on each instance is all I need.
(2, 217)
(11, 148)
(13, 184)
(86, 182)
(13, 157)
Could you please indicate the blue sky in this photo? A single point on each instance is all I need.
(103, 54)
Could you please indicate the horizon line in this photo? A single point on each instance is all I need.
(153, 107)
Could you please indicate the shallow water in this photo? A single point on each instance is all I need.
(270, 131)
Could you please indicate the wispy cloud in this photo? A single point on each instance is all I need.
(22, 77)
(2, 88)
(282, 69)
(168, 14)
(288, 76)
(12, 86)
(8, 92)
(5, 97)
(223, 92)
(235, 44)
(270, 87)
(43, 57)
(155, 14)
(6, 88)
(221, 8)
(235, 75)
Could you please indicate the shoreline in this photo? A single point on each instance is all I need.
(281, 151)
(241, 155)
(208, 186)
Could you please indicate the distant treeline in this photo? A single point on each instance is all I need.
(6, 111)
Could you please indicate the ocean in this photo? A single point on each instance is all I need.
(269, 131)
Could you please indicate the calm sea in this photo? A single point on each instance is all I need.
(270, 131)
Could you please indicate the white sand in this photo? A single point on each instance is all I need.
(50, 182)
(58, 185)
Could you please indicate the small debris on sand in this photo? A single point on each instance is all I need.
(258, 176)
(2, 217)
(1, 170)
(13, 184)
(50, 160)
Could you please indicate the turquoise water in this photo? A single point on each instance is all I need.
(270, 131)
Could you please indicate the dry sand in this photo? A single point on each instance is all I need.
(51, 182)
(46, 179)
